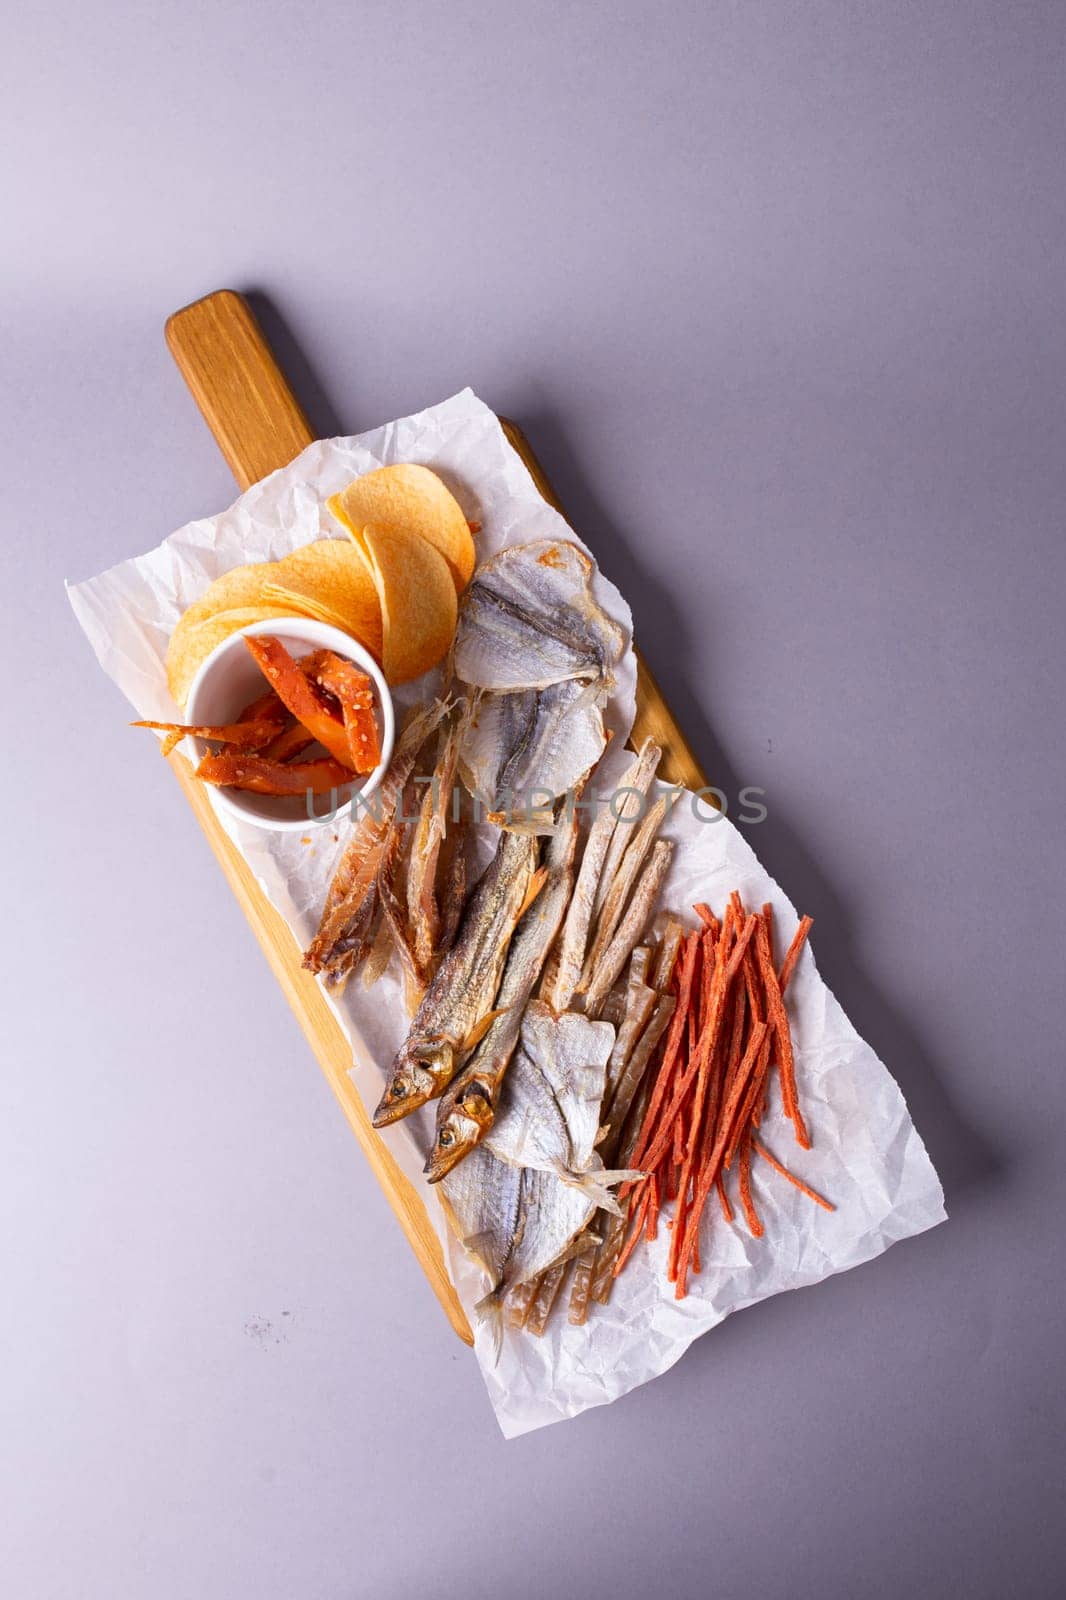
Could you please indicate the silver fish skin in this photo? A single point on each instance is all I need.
(528, 619)
(464, 987)
(550, 1107)
(482, 1202)
(522, 751)
(553, 1224)
(468, 1106)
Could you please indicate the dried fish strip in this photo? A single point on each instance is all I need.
(643, 837)
(571, 957)
(645, 894)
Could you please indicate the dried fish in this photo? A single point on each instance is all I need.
(521, 751)
(634, 787)
(457, 1008)
(641, 840)
(528, 620)
(423, 904)
(645, 894)
(468, 1105)
(549, 1111)
(640, 998)
(346, 899)
(572, 946)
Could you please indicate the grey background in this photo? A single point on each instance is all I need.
(777, 291)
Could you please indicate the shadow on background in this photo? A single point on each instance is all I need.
(962, 1155)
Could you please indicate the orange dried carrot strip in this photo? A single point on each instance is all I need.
(706, 915)
(652, 1228)
(804, 1188)
(233, 770)
(753, 1100)
(727, 1213)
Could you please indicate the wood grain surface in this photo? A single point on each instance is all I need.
(260, 426)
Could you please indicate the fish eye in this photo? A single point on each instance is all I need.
(446, 1137)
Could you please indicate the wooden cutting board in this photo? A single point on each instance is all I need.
(259, 426)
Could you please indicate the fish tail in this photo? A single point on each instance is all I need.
(489, 1313)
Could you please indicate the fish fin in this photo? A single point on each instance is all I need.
(481, 1028)
(596, 1186)
(536, 884)
(489, 1313)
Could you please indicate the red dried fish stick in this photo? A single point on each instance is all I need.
(804, 1188)
(794, 951)
(779, 1018)
(754, 1222)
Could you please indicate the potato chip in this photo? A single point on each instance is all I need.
(418, 604)
(240, 586)
(409, 499)
(336, 584)
(192, 643)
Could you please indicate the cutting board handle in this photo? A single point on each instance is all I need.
(241, 391)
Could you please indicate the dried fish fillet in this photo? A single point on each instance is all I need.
(528, 620)
(521, 751)
(549, 1112)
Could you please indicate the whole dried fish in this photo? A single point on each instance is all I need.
(468, 1105)
(521, 751)
(549, 1113)
(528, 620)
(457, 1007)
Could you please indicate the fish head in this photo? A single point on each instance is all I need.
(420, 1071)
(463, 1124)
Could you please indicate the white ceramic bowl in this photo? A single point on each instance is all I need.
(229, 679)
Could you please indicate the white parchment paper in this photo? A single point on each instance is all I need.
(866, 1156)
